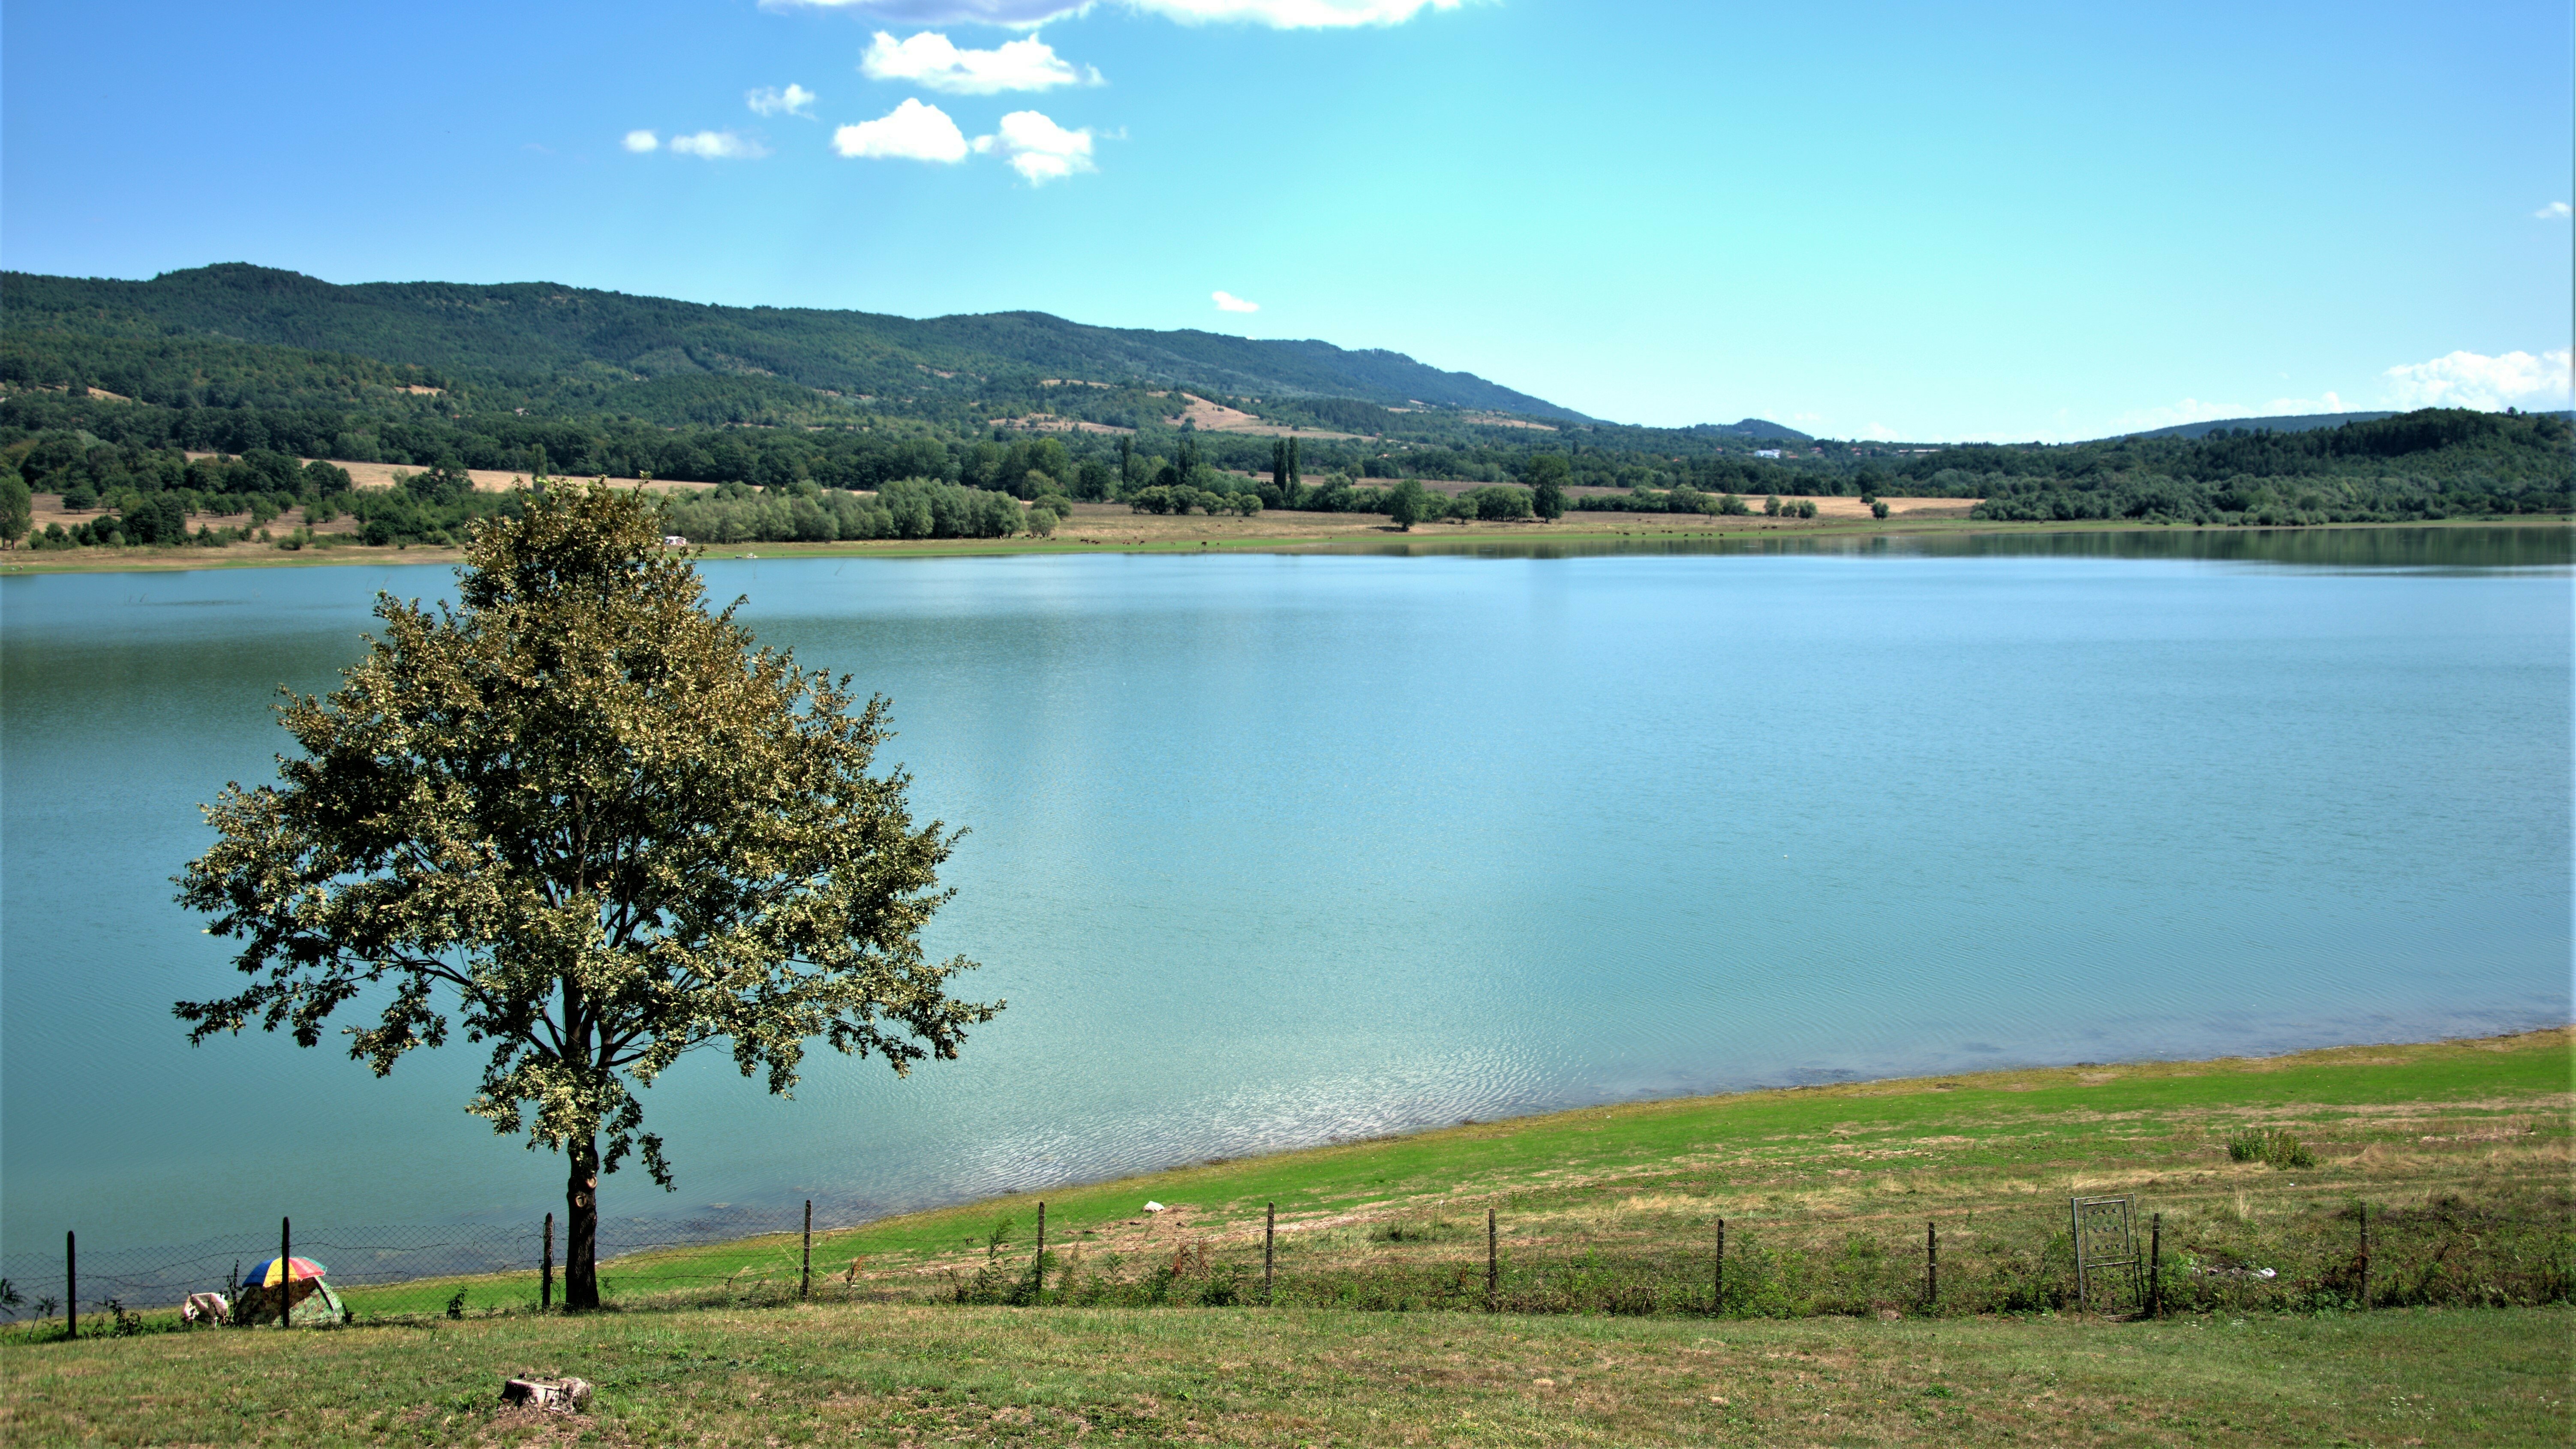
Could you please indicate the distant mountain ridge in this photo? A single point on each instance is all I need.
(518, 331)
(2290, 423)
(1750, 428)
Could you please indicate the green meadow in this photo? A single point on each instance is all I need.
(1372, 1323)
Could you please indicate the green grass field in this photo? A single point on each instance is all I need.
(1153, 1327)
(913, 1375)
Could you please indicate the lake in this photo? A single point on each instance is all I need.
(1273, 849)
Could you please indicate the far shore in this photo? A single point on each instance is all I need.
(1112, 528)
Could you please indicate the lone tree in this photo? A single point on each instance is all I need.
(587, 822)
(1547, 475)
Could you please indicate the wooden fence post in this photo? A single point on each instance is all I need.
(2365, 1256)
(1493, 1267)
(1041, 1264)
(805, 1271)
(71, 1286)
(1717, 1295)
(2156, 1266)
(1932, 1265)
(546, 1270)
(1269, 1249)
(285, 1271)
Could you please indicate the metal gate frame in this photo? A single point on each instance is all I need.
(2105, 1233)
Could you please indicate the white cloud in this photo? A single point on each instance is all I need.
(1278, 14)
(719, 146)
(2552, 212)
(909, 132)
(1038, 148)
(932, 62)
(771, 101)
(2469, 380)
(1880, 432)
(642, 141)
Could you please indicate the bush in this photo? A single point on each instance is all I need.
(2278, 1148)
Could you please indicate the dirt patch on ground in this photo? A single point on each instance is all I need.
(1210, 417)
(99, 393)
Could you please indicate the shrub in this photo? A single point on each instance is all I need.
(2276, 1147)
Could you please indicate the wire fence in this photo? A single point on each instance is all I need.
(387, 1270)
(2519, 1248)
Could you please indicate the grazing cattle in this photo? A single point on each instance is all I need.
(205, 1308)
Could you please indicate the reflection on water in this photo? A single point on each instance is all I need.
(1274, 848)
(2510, 547)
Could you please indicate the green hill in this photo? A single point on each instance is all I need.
(540, 338)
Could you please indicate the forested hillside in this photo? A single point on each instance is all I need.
(548, 343)
(110, 387)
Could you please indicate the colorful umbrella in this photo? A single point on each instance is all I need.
(265, 1275)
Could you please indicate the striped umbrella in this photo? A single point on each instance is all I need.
(266, 1275)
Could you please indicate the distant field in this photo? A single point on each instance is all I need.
(1093, 526)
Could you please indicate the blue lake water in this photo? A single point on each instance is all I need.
(1269, 850)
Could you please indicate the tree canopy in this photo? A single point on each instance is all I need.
(591, 825)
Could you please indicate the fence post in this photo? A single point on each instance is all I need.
(546, 1270)
(1269, 1247)
(1717, 1294)
(2365, 1256)
(1040, 1291)
(805, 1273)
(1493, 1267)
(71, 1286)
(2156, 1266)
(1932, 1266)
(285, 1271)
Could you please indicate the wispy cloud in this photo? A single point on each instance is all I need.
(1038, 148)
(2471, 380)
(1278, 14)
(910, 132)
(642, 141)
(1228, 302)
(932, 62)
(771, 101)
(719, 146)
(2554, 211)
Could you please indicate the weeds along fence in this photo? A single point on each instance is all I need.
(2448, 1252)
(2516, 1248)
(387, 1271)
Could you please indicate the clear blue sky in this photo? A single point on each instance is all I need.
(1974, 220)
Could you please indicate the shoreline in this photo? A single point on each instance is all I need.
(179, 560)
(2029, 1078)
(912, 1227)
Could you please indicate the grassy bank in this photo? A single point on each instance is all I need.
(2461, 1150)
(1152, 1328)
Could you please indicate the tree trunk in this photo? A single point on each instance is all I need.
(581, 1225)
